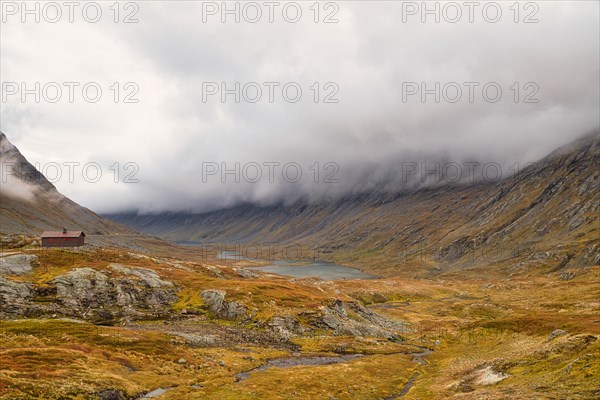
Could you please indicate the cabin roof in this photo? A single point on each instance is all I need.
(61, 234)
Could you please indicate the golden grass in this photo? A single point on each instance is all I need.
(468, 319)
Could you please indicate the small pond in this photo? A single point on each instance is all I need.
(325, 271)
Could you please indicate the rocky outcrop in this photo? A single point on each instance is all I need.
(348, 318)
(111, 394)
(14, 297)
(245, 273)
(17, 264)
(97, 296)
(567, 275)
(221, 308)
(83, 288)
(286, 326)
(352, 318)
(197, 340)
(147, 276)
(556, 333)
(89, 293)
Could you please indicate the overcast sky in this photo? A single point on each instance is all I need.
(372, 61)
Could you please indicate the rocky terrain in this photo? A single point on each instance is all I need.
(117, 293)
(101, 323)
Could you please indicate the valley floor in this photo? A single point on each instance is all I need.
(104, 324)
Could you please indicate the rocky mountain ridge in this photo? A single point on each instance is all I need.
(31, 204)
(546, 214)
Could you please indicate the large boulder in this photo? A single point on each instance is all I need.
(14, 297)
(84, 288)
(286, 326)
(111, 394)
(556, 333)
(352, 318)
(218, 306)
(17, 264)
(91, 294)
(147, 276)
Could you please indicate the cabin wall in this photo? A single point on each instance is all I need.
(63, 242)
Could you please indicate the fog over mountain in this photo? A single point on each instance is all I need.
(178, 137)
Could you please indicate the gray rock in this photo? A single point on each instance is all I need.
(111, 394)
(197, 340)
(352, 318)
(147, 276)
(90, 294)
(543, 231)
(183, 267)
(214, 271)
(14, 296)
(83, 288)
(217, 305)
(155, 393)
(286, 326)
(245, 273)
(567, 276)
(556, 333)
(576, 221)
(17, 264)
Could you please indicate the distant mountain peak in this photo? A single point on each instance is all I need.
(17, 171)
(30, 203)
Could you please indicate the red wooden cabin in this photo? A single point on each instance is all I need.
(63, 239)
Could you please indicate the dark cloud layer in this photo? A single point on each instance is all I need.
(369, 140)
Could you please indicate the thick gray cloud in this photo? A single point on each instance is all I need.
(372, 135)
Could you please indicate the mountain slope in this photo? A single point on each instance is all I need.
(545, 215)
(30, 204)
